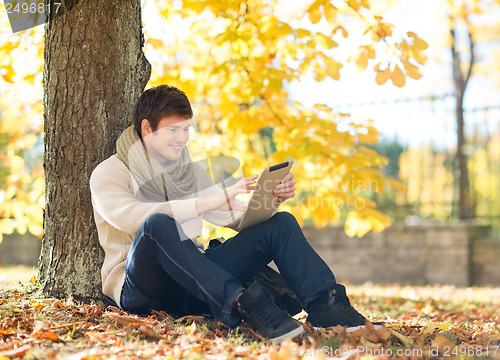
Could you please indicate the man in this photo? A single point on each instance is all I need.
(149, 200)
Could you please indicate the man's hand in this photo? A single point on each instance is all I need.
(244, 186)
(226, 200)
(286, 190)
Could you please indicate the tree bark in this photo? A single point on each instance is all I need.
(465, 208)
(94, 72)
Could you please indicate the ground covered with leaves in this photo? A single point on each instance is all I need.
(421, 323)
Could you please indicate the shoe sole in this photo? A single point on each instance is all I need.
(352, 329)
(289, 335)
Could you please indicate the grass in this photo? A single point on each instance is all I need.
(432, 321)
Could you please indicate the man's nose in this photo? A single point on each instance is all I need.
(182, 136)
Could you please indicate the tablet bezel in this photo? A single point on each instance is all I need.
(269, 178)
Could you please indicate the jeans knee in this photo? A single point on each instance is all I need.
(284, 217)
(158, 220)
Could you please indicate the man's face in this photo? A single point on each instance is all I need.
(168, 141)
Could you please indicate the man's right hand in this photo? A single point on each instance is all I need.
(226, 200)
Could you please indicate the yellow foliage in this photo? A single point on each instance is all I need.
(358, 223)
(331, 14)
(412, 71)
(355, 4)
(382, 75)
(7, 72)
(364, 53)
(397, 77)
(384, 29)
(21, 200)
(314, 15)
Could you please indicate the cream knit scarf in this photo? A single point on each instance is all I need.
(176, 180)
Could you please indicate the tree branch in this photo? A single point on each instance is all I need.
(471, 50)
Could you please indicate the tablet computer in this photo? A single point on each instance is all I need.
(263, 202)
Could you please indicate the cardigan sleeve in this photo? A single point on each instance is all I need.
(114, 200)
(223, 218)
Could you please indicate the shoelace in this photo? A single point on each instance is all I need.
(270, 314)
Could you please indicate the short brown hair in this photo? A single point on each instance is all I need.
(158, 102)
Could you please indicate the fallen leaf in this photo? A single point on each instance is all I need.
(371, 334)
(370, 345)
(429, 329)
(15, 352)
(339, 329)
(125, 320)
(161, 315)
(96, 337)
(52, 354)
(441, 343)
(149, 331)
(115, 309)
(192, 317)
(39, 327)
(105, 336)
(6, 333)
(405, 340)
(90, 357)
(191, 328)
(56, 305)
(383, 334)
(358, 334)
(73, 324)
(49, 335)
(36, 305)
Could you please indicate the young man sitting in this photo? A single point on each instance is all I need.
(149, 200)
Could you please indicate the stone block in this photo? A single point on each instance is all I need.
(401, 239)
(449, 275)
(17, 249)
(453, 257)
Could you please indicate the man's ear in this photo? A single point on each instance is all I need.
(145, 127)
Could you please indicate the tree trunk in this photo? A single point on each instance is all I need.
(465, 208)
(94, 72)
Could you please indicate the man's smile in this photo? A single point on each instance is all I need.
(176, 148)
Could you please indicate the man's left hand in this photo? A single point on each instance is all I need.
(285, 190)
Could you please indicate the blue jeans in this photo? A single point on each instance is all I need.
(165, 273)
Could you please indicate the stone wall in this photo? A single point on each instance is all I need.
(424, 254)
(457, 254)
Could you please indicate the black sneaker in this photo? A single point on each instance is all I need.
(334, 308)
(259, 311)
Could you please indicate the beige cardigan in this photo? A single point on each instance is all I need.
(120, 211)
